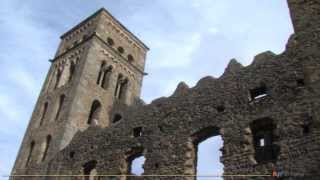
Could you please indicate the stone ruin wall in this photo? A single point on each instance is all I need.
(173, 126)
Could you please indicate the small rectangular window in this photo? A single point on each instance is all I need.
(137, 132)
(258, 93)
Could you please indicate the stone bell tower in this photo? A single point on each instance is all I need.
(304, 14)
(98, 63)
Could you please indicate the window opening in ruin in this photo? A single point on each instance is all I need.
(300, 82)
(207, 153)
(30, 152)
(89, 170)
(116, 118)
(94, 114)
(208, 158)
(44, 112)
(306, 129)
(61, 100)
(137, 132)
(47, 145)
(137, 165)
(220, 108)
(263, 140)
(258, 93)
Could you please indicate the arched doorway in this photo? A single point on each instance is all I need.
(207, 144)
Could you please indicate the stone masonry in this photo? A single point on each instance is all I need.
(89, 119)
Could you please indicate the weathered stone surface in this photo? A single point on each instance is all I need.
(277, 95)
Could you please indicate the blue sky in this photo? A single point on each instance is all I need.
(189, 39)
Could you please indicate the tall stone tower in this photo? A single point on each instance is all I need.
(98, 63)
(304, 14)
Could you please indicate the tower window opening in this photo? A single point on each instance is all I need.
(44, 112)
(94, 114)
(32, 144)
(85, 36)
(106, 77)
(61, 101)
(120, 50)
(130, 58)
(110, 41)
(71, 70)
(58, 77)
(121, 87)
(47, 145)
(258, 93)
(101, 73)
(89, 170)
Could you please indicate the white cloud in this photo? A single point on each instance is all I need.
(24, 80)
(213, 30)
(7, 109)
(174, 52)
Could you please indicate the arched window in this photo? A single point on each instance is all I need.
(121, 87)
(32, 144)
(43, 114)
(130, 58)
(120, 50)
(106, 77)
(207, 144)
(93, 118)
(58, 77)
(61, 100)
(116, 118)
(135, 161)
(47, 145)
(116, 91)
(89, 170)
(110, 41)
(71, 70)
(103, 64)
